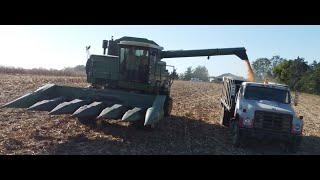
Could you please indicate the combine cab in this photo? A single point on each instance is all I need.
(130, 83)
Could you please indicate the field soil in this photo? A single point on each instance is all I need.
(193, 127)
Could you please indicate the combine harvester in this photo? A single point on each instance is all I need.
(130, 83)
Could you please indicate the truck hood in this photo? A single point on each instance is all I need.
(264, 105)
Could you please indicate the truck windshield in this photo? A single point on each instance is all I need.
(270, 94)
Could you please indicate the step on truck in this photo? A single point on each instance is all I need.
(261, 111)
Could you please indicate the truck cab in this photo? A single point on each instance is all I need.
(263, 110)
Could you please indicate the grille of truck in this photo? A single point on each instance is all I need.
(277, 122)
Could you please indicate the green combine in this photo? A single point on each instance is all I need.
(129, 82)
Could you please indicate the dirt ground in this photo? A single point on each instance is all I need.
(193, 127)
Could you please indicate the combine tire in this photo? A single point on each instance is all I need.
(225, 117)
(168, 107)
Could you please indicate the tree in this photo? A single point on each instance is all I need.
(188, 74)
(298, 68)
(77, 69)
(263, 67)
(275, 60)
(174, 74)
(310, 81)
(291, 72)
(181, 76)
(299, 75)
(281, 71)
(314, 65)
(202, 73)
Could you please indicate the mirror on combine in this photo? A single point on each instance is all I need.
(104, 46)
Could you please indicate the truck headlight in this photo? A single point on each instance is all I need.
(297, 126)
(248, 123)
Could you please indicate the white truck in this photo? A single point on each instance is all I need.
(260, 110)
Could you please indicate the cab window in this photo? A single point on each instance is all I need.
(270, 94)
(137, 52)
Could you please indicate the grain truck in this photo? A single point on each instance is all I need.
(261, 111)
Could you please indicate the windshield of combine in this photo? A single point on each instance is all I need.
(270, 94)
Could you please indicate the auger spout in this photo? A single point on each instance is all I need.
(240, 52)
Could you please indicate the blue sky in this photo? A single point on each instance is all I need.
(64, 46)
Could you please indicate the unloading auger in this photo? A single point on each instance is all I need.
(130, 83)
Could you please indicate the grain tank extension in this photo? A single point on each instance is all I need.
(129, 82)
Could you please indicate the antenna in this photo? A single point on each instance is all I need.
(87, 50)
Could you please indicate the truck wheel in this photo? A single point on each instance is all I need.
(168, 106)
(224, 117)
(235, 134)
(294, 144)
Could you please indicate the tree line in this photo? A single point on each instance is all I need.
(69, 71)
(296, 73)
(200, 72)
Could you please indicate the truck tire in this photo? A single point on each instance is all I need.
(225, 117)
(168, 106)
(294, 144)
(235, 133)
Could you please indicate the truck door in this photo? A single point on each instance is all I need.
(238, 99)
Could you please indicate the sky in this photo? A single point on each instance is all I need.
(57, 47)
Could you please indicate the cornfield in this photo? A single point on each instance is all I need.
(193, 127)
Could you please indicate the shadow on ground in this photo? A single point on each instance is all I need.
(175, 135)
